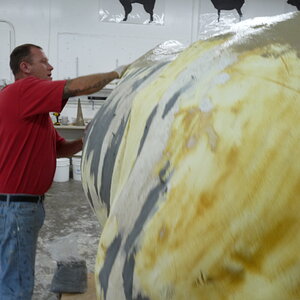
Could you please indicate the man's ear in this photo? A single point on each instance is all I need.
(25, 67)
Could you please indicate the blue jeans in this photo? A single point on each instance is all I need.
(20, 223)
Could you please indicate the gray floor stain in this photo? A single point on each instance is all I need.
(70, 229)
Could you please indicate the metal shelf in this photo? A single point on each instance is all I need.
(68, 127)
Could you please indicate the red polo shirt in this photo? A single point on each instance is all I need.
(28, 140)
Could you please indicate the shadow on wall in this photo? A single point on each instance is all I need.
(148, 7)
(237, 5)
(295, 3)
(228, 5)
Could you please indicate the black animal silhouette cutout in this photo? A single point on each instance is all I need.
(228, 5)
(148, 7)
(295, 3)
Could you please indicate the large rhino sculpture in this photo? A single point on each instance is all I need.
(193, 169)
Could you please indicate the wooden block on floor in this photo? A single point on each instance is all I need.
(90, 294)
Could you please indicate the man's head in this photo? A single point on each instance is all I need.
(30, 60)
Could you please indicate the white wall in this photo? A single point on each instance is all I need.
(77, 43)
(7, 44)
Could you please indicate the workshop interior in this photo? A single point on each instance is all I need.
(188, 183)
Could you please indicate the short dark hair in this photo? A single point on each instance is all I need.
(19, 54)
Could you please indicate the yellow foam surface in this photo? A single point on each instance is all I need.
(228, 225)
(236, 184)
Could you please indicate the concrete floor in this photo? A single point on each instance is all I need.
(70, 229)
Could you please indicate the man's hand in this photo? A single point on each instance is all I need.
(121, 70)
(68, 148)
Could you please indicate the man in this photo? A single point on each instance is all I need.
(29, 145)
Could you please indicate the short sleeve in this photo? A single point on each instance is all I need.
(40, 96)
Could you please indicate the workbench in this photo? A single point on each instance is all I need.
(70, 132)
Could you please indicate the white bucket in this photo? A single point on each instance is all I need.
(62, 172)
(76, 162)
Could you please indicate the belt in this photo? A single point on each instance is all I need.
(21, 198)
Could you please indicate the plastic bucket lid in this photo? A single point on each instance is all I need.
(62, 162)
(76, 160)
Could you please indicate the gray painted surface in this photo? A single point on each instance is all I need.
(111, 255)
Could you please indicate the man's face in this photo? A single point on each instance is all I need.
(39, 66)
